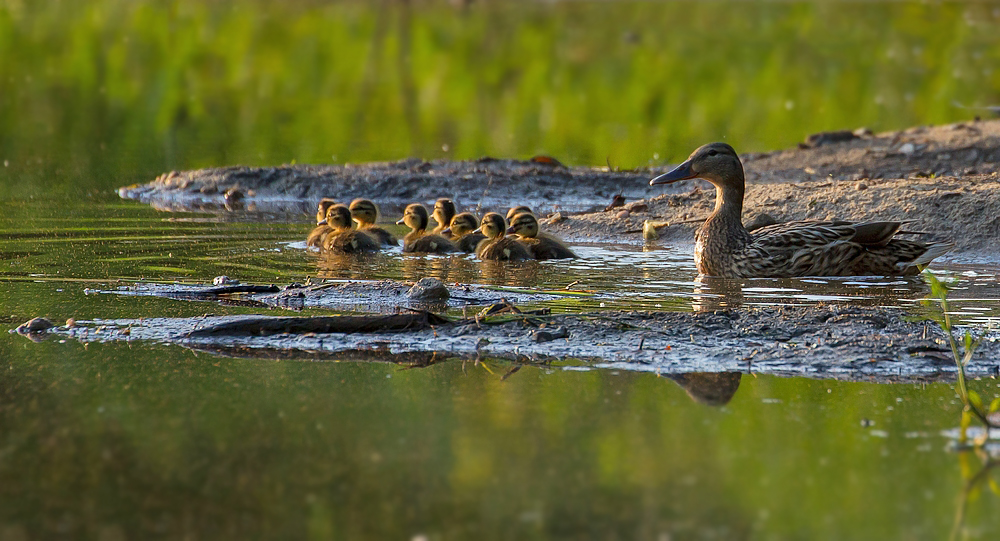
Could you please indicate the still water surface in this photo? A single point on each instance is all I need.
(139, 439)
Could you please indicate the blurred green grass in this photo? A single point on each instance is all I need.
(97, 94)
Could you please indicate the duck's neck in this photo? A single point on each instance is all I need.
(724, 228)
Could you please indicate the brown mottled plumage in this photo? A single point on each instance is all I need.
(342, 239)
(540, 246)
(444, 211)
(802, 248)
(497, 246)
(463, 234)
(319, 233)
(419, 240)
(365, 213)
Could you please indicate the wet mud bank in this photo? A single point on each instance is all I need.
(827, 342)
(942, 179)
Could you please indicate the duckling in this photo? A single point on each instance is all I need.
(342, 239)
(419, 240)
(444, 211)
(462, 232)
(540, 246)
(497, 246)
(514, 211)
(723, 247)
(365, 213)
(319, 233)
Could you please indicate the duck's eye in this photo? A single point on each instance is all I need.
(713, 152)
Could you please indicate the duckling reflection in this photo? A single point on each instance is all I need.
(342, 238)
(712, 293)
(463, 235)
(418, 239)
(365, 213)
(709, 388)
(444, 211)
(510, 273)
(322, 229)
(415, 268)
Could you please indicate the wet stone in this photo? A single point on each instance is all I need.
(428, 289)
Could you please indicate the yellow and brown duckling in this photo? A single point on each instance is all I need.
(365, 213)
(463, 232)
(419, 240)
(540, 246)
(319, 233)
(444, 211)
(342, 238)
(514, 211)
(723, 247)
(497, 246)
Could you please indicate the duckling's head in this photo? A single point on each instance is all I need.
(415, 216)
(493, 226)
(462, 224)
(364, 212)
(444, 211)
(524, 224)
(514, 211)
(338, 217)
(714, 162)
(324, 204)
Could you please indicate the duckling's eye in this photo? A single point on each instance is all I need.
(713, 152)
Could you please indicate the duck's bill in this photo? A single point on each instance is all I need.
(400, 221)
(511, 230)
(681, 172)
(446, 231)
(321, 222)
(480, 230)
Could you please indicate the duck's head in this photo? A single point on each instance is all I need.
(524, 224)
(321, 209)
(364, 212)
(415, 216)
(338, 217)
(462, 224)
(492, 225)
(514, 211)
(714, 162)
(444, 211)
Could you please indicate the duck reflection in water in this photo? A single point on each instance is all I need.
(712, 293)
(709, 388)
(510, 273)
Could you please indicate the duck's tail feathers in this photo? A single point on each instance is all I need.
(934, 250)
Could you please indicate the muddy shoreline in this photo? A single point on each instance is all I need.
(941, 178)
(824, 341)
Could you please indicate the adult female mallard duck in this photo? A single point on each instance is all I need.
(444, 211)
(319, 233)
(419, 240)
(342, 238)
(497, 246)
(802, 248)
(463, 235)
(540, 246)
(365, 213)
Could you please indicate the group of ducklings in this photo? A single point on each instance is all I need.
(455, 232)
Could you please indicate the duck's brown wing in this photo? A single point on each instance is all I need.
(317, 236)
(468, 243)
(351, 242)
(382, 235)
(430, 244)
